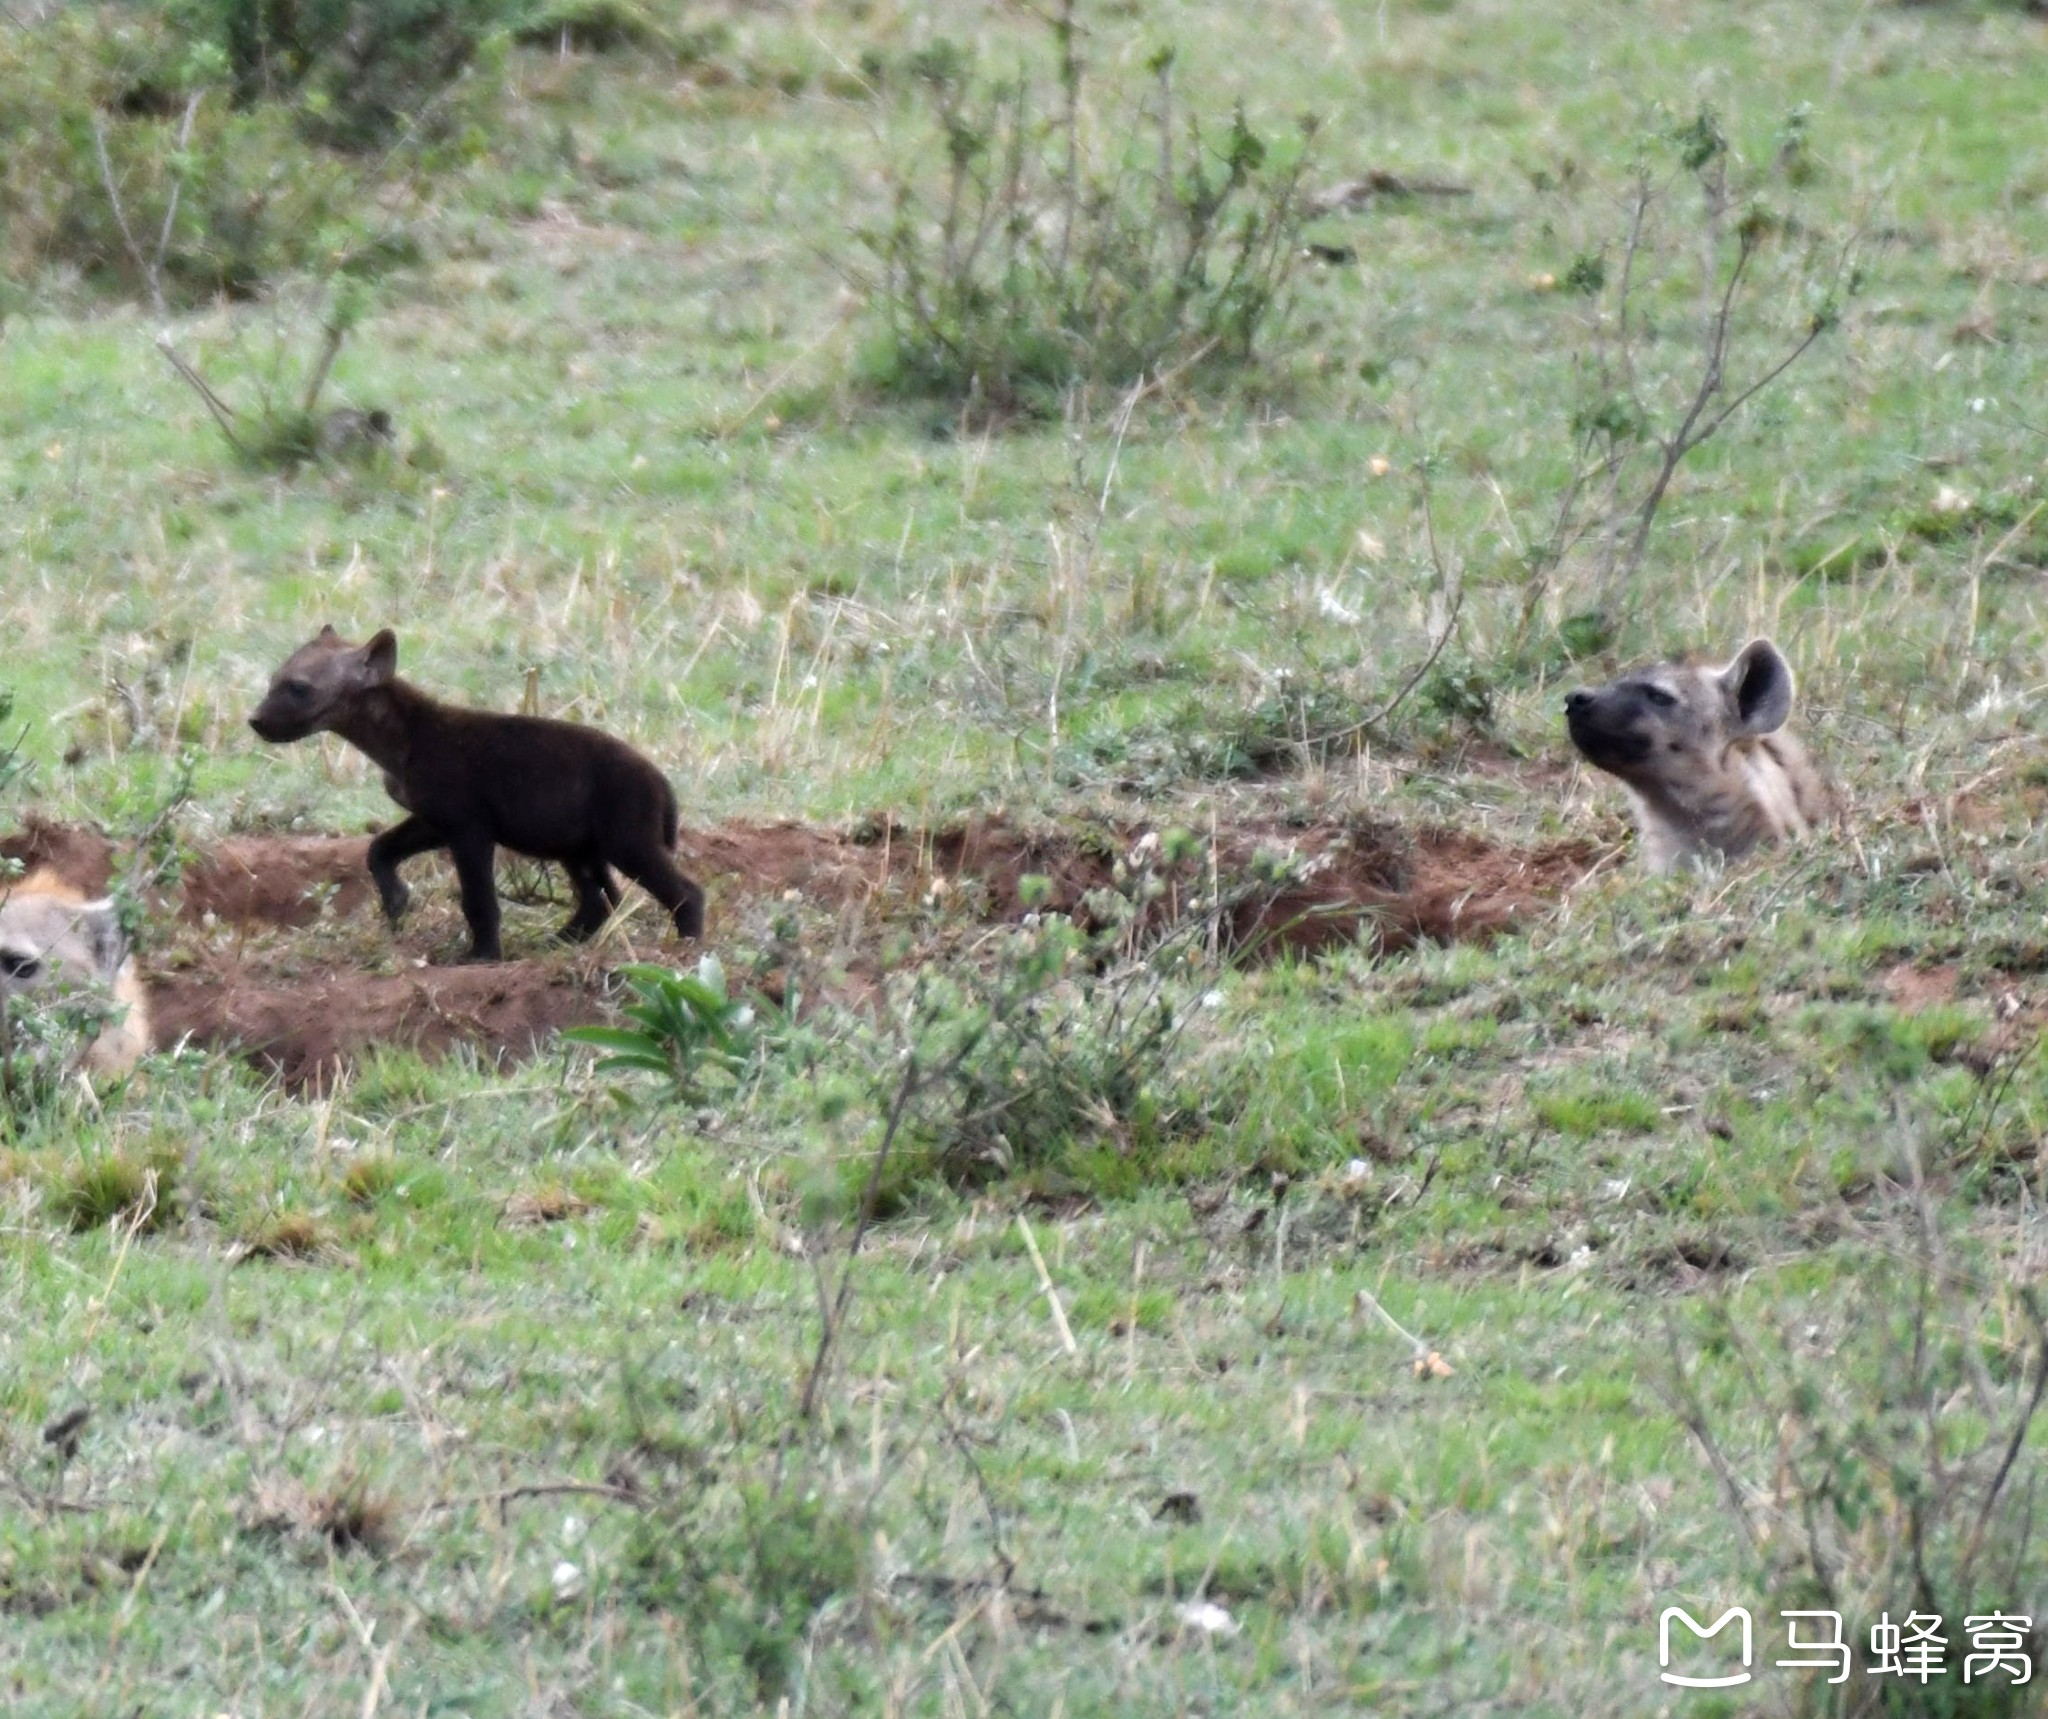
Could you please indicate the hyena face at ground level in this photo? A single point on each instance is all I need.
(1704, 754)
(54, 941)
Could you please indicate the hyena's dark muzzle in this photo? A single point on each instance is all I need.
(1608, 727)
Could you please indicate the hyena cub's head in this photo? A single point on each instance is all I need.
(320, 681)
(1703, 753)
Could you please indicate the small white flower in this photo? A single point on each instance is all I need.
(568, 1580)
(1334, 610)
(1206, 1616)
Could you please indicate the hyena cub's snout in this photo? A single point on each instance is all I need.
(1704, 754)
(305, 692)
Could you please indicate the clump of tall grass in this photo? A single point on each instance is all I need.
(1049, 240)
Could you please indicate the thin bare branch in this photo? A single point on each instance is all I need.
(223, 413)
(163, 238)
(151, 277)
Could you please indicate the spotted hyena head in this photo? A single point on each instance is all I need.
(320, 682)
(1675, 720)
(1703, 751)
(52, 938)
(55, 942)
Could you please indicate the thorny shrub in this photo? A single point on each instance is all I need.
(1063, 1049)
(134, 155)
(1900, 1479)
(1037, 245)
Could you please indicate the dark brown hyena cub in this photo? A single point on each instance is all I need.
(475, 781)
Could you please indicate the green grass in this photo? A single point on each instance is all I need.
(394, 1360)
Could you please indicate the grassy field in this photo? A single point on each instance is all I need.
(1422, 1309)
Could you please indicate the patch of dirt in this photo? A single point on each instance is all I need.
(1442, 887)
(252, 963)
(83, 858)
(307, 1029)
(1909, 987)
(1337, 880)
(278, 880)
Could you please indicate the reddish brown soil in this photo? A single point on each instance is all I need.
(1436, 885)
(307, 1029)
(278, 880)
(296, 1009)
(80, 857)
(1911, 987)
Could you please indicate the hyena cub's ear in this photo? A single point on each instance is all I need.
(380, 659)
(1758, 684)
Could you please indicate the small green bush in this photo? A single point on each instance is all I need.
(686, 1027)
(1902, 1456)
(1067, 1061)
(43, 1034)
(133, 156)
(357, 73)
(1064, 242)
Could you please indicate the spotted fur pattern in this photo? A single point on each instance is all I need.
(1705, 755)
(53, 938)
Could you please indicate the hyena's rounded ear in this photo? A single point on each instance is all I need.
(99, 923)
(380, 658)
(1759, 683)
(328, 635)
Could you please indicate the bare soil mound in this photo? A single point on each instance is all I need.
(1342, 879)
(259, 954)
(307, 1029)
(84, 858)
(278, 880)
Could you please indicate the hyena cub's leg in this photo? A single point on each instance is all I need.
(597, 898)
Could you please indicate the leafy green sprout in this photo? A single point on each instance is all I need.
(688, 1028)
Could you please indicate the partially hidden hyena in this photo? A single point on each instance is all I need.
(1704, 754)
(53, 941)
